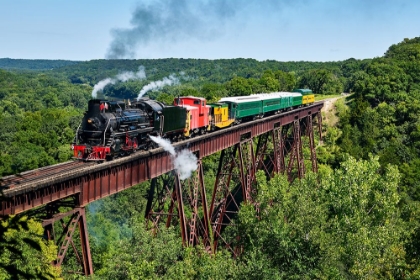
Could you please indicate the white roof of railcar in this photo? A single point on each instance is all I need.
(259, 96)
(240, 99)
(279, 94)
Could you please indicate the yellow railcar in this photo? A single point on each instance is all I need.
(307, 96)
(220, 115)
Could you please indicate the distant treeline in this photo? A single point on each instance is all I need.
(33, 64)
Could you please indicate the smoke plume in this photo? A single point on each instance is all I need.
(185, 162)
(167, 81)
(122, 77)
(171, 21)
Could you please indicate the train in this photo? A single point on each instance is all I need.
(112, 129)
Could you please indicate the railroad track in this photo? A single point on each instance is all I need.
(13, 181)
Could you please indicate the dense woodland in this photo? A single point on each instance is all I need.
(358, 218)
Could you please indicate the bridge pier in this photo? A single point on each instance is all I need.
(175, 194)
(77, 220)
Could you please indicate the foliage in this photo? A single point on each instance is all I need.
(347, 226)
(24, 253)
(38, 119)
(147, 256)
(321, 81)
(383, 80)
(382, 118)
(33, 64)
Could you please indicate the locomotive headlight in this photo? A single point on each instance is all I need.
(89, 120)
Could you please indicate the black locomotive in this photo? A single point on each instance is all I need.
(112, 128)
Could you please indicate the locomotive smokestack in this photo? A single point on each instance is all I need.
(93, 107)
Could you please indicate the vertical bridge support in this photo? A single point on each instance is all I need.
(236, 165)
(188, 193)
(77, 219)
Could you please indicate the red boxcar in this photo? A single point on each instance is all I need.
(198, 119)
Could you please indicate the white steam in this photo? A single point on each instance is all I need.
(101, 85)
(122, 77)
(167, 81)
(185, 162)
(164, 143)
(139, 75)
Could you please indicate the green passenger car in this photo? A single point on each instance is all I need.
(280, 100)
(270, 103)
(294, 99)
(243, 107)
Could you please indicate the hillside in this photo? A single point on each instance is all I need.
(33, 64)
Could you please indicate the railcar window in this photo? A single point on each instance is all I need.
(250, 106)
(196, 102)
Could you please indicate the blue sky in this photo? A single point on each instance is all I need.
(283, 30)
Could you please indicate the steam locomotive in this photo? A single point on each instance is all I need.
(115, 128)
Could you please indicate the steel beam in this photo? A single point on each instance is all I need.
(77, 219)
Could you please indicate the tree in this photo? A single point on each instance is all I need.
(268, 82)
(238, 87)
(24, 253)
(321, 81)
(287, 80)
(383, 80)
(213, 92)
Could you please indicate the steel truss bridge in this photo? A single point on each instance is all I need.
(273, 144)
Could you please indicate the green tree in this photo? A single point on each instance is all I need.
(287, 80)
(384, 79)
(238, 87)
(24, 253)
(268, 82)
(321, 81)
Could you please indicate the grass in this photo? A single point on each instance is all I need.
(319, 97)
